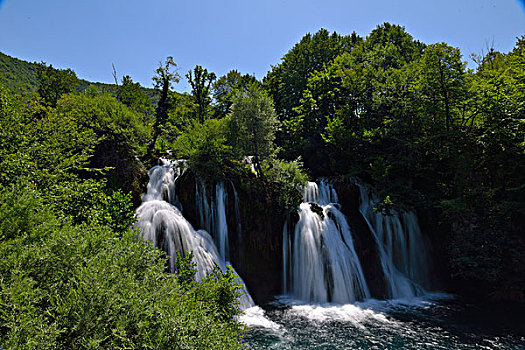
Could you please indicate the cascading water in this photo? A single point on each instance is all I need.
(402, 248)
(213, 215)
(324, 265)
(219, 220)
(161, 222)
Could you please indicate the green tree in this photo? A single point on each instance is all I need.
(205, 146)
(253, 124)
(225, 87)
(53, 83)
(166, 75)
(120, 133)
(201, 81)
(132, 95)
(329, 112)
(441, 81)
(287, 81)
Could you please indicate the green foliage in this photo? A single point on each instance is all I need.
(226, 86)
(201, 81)
(116, 211)
(206, 148)
(53, 83)
(21, 77)
(185, 268)
(221, 292)
(120, 136)
(132, 95)
(441, 81)
(286, 81)
(18, 75)
(78, 287)
(166, 75)
(287, 180)
(253, 125)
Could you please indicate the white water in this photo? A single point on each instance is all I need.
(212, 215)
(324, 265)
(433, 321)
(219, 219)
(402, 248)
(162, 223)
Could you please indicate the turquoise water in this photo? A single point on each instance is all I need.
(434, 322)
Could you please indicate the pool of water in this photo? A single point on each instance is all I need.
(436, 321)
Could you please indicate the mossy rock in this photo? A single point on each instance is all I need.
(317, 209)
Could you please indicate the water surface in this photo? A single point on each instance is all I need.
(436, 321)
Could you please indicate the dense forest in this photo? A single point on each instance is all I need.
(406, 117)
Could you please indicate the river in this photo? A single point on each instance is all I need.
(435, 321)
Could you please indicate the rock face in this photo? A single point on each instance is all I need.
(254, 233)
(260, 251)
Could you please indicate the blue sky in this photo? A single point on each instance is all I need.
(247, 35)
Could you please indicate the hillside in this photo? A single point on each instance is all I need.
(21, 76)
(17, 74)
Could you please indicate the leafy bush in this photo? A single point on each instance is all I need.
(82, 287)
(72, 275)
(121, 137)
(287, 180)
(205, 147)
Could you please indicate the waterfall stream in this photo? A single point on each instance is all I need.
(324, 266)
(162, 223)
(402, 248)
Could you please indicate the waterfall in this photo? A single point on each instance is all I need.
(238, 223)
(402, 248)
(162, 181)
(219, 221)
(324, 264)
(212, 215)
(205, 217)
(159, 221)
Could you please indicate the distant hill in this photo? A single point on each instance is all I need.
(20, 76)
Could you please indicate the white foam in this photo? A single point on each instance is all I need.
(359, 314)
(255, 317)
(352, 313)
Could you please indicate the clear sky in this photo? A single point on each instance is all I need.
(247, 35)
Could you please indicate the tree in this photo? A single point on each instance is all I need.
(132, 95)
(442, 80)
(287, 81)
(200, 80)
(166, 75)
(120, 133)
(53, 83)
(205, 146)
(225, 87)
(253, 124)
